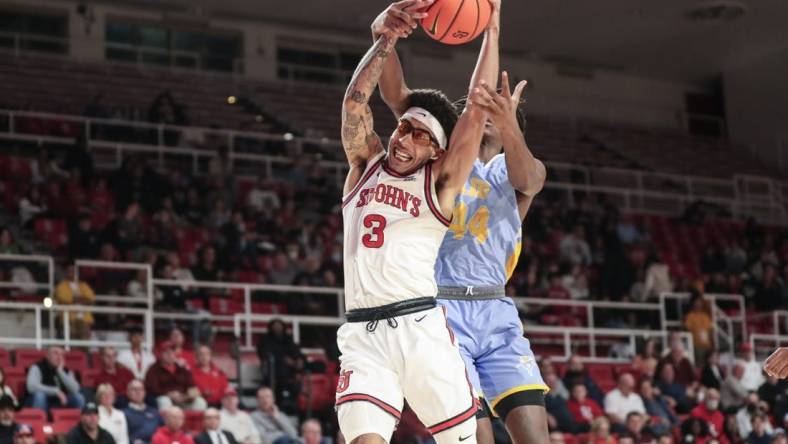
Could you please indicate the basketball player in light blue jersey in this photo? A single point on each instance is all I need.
(480, 252)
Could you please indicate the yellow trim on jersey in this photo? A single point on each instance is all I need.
(519, 388)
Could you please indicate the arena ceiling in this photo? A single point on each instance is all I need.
(651, 37)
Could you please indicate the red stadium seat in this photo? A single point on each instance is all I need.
(28, 415)
(77, 361)
(25, 357)
(89, 377)
(41, 430)
(16, 379)
(318, 387)
(5, 358)
(70, 416)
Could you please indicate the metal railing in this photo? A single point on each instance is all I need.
(49, 285)
(242, 325)
(728, 333)
(34, 43)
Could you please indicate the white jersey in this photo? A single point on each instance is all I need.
(393, 230)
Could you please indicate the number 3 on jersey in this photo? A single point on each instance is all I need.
(477, 225)
(377, 223)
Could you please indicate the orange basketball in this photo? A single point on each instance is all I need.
(455, 22)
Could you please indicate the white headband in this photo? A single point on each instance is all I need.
(428, 120)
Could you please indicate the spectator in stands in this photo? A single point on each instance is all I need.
(600, 432)
(311, 432)
(636, 426)
(759, 435)
(684, 370)
(112, 373)
(622, 400)
(70, 291)
(88, 431)
(31, 207)
(184, 358)
(165, 110)
(51, 384)
(5, 390)
(711, 376)
(110, 418)
(770, 390)
(172, 430)
(583, 409)
(273, 426)
(674, 392)
(78, 161)
(43, 169)
(731, 430)
(574, 248)
(171, 383)
(7, 423)
(180, 273)
(709, 413)
(262, 199)
(753, 406)
(288, 361)
(576, 371)
(7, 243)
(23, 434)
(211, 381)
(219, 216)
(283, 270)
(136, 358)
(695, 430)
(237, 421)
(658, 408)
(558, 415)
(83, 241)
(173, 297)
(733, 392)
(698, 322)
(142, 420)
(779, 436)
(658, 279)
(753, 369)
(769, 291)
(212, 433)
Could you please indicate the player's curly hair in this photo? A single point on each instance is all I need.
(438, 105)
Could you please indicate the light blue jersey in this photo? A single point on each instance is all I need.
(479, 250)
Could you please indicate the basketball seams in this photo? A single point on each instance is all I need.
(478, 16)
(453, 19)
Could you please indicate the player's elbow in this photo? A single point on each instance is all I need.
(532, 182)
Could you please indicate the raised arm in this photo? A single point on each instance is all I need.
(358, 137)
(455, 166)
(400, 18)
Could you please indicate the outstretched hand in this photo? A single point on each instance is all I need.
(501, 107)
(401, 18)
(776, 365)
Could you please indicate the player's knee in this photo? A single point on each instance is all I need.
(527, 424)
(464, 433)
(484, 431)
(369, 438)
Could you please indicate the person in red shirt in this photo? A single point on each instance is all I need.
(113, 373)
(171, 383)
(172, 430)
(211, 381)
(184, 357)
(709, 412)
(583, 409)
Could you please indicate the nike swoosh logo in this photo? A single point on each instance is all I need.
(434, 26)
(463, 438)
(421, 318)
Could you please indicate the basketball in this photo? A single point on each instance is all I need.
(455, 22)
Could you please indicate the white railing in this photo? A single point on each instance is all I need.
(242, 325)
(728, 333)
(571, 343)
(39, 340)
(635, 192)
(18, 41)
(49, 286)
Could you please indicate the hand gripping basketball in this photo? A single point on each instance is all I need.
(400, 18)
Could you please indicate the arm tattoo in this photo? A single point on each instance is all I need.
(357, 132)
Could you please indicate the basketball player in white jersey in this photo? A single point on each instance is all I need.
(396, 208)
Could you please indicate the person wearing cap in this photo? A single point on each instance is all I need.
(136, 358)
(238, 422)
(213, 434)
(171, 383)
(51, 384)
(113, 373)
(24, 434)
(7, 423)
(142, 419)
(211, 381)
(87, 430)
(753, 369)
(110, 418)
(172, 431)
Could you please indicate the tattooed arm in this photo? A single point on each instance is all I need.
(358, 137)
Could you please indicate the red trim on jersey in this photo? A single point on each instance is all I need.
(428, 192)
(361, 182)
(391, 171)
(454, 421)
(391, 410)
